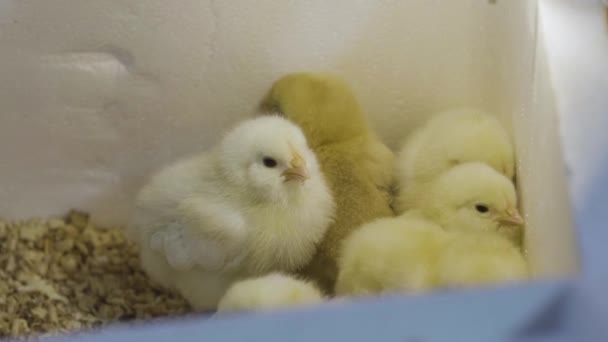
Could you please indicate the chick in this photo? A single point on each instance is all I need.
(390, 254)
(461, 235)
(472, 259)
(448, 139)
(269, 292)
(358, 166)
(411, 254)
(255, 203)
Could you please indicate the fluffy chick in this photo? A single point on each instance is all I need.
(448, 139)
(269, 292)
(358, 166)
(255, 203)
(462, 234)
(471, 259)
(390, 254)
(411, 254)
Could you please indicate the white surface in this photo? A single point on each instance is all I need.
(100, 93)
(576, 33)
(577, 41)
(550, 235)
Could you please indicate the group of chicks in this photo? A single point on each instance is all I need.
(304, 202)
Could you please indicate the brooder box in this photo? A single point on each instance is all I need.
(96, 95)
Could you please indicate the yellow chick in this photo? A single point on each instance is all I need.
(461, 236)
(411, 254)
(357, 165)
(471, 259)
(269, 292)
(448, 139)
(390, 254)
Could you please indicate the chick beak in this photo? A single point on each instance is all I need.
(512, 217)
(297, 170)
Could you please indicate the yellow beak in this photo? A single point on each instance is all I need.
(512, 217)
(297, 170)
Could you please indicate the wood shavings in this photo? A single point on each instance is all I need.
(66, 274)
(35, 284)
(32, 233)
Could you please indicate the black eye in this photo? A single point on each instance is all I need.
(481, 208)
(269, 162)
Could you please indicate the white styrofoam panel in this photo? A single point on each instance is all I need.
(578, 48)
(576, 35)
(542, 173)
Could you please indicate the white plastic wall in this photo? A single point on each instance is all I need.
(96, 94)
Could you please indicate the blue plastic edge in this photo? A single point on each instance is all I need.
(508, 313)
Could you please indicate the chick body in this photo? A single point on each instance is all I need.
(206, 221)
(447, 241)
(472, 259)
(358, 166)
(414, 255)
(389, 255)
(445, 140)
(269, 292)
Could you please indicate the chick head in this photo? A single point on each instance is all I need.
(323, 105)
(465, 135)
(475, 197)
(268, 158)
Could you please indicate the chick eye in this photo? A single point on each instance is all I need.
(269, 162)
(481, 208)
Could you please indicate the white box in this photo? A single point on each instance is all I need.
(97, 94)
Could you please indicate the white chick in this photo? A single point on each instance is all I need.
(269, 292)
(255, 203)
(448, 139)
(460, 235)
